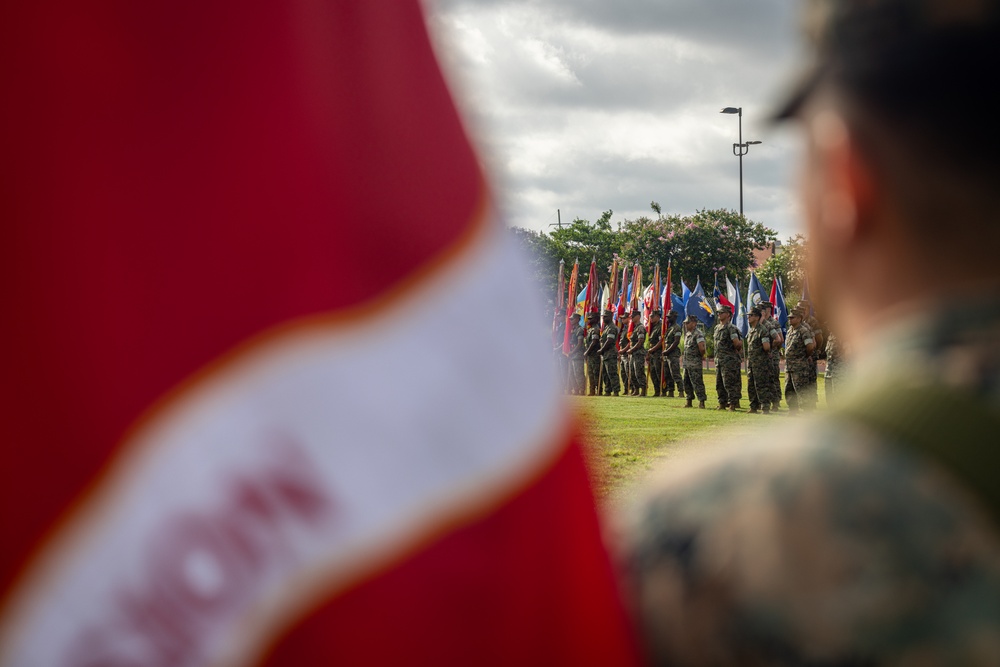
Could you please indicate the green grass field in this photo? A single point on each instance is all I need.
(627, 436)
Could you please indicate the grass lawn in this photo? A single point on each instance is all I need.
(627, 436)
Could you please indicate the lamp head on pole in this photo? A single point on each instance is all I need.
(738, 110)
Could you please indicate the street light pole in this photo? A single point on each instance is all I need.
(740, 149)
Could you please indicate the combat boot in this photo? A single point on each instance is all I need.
(701, 405)
(733, 407)
(656, 392)
(766, 410)
(642, 392)
(753, 411)
(722, 406)
(670, 394)
(689, 402)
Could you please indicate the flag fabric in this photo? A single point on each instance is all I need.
(699, 306)
(560, 304)
(571, 305)
(685, 294)
(805, 295)
(755, 293)
(780, 308)
(622, 297)
(740, 318)
(593, 290)
(720, 297)
(198, 464)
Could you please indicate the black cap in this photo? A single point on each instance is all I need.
(925, 60)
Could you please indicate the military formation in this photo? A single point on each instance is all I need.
(667, 359)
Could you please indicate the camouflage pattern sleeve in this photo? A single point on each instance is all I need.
(842, 551)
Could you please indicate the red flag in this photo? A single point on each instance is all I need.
(593, 304)
(570, 305)
(560, 304)
(201, 462)
(774, 292)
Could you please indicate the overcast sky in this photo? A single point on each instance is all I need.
(586, 105)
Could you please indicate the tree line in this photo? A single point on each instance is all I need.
(699, 246)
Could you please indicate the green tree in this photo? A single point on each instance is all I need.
(789, 264)
(582, 240)
(699, 245)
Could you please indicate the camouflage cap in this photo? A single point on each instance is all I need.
(755, 311)
(635, 313)
(655, 313)
(691, 318)
(928, 60)
(723, 308)
(575, 316)
(593, 316)
(671, 313)
(765, 304)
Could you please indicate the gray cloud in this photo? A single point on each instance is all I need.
(585, 105)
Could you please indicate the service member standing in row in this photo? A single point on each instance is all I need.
(777, 340)
(655, 351)
(759, 368)
(591, 344)
(637, 355)
(728, 349)
(608, 353)
(694, 352)
(672, 356)
(624, 362)
(800, 387)
(576, 382)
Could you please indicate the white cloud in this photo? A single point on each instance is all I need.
(583, 105)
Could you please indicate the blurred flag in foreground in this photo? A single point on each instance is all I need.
(213, 451)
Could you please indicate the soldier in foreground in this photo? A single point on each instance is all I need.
(624, 361)
(868, 534)
(759, 367)
(608, 353)
(655, 351)
(800, 383)
(592, 343)
(637, 356)
(834, 367)
(575, 380)
(672, 356)
(728, 349)
(694, 352)
(777, 341)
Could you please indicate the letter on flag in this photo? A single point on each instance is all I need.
(214, 453)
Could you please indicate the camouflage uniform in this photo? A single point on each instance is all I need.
(609, 368)
(834, 361)
(829, 542)
(672, 373)
(728, 382)
(575, 380)
(624, 361)
(655, 357)
(593, 361)
(638, 359)
(817, 332)
(691, 360)
(775, 330)
(759, 368)
(800, 385)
